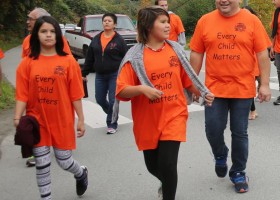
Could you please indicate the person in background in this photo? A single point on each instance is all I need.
(153, 76)
(105, 54)
(232, 39)
(275, 48)
(253, 111)
(1, 57)
(49, 88)
(177, 30)
(31, 19)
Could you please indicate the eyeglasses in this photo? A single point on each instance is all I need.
(30, 19)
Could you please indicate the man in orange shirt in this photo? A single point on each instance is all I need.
(177, 30)
(1, 57)
(232, 39)
(31, 19)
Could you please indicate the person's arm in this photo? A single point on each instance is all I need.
(133, 91)
(264, 67)
(182, 39)
(89, 61)
(81, 124)
(19, 110)
(196, 60)
(272, 53)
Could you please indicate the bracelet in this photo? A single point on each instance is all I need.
(16, 119)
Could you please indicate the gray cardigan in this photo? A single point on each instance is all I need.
(135, 57)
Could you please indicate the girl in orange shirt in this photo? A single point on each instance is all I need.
(160, 112)
(49, 88)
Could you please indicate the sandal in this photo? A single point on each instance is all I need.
(253, 115)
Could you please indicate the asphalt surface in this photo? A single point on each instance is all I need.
(117, 170)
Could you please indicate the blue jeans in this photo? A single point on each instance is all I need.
(216, 118)
(105, 84)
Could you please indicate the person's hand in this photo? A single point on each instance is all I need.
(271, 53)
(152, 93)
(85, 79)
(195, 98)
(16, 122)
(209, 98)
(80, 128)
(264, 93)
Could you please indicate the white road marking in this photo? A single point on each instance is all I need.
(95, 116)
(274, 86)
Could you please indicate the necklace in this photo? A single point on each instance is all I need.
(156, 50)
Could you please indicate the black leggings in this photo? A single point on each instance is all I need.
(162, 163)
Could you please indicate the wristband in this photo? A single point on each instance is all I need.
(16, 119)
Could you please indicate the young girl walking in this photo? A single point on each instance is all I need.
(49, 88)
(153, 76)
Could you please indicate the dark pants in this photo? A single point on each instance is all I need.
(277, 64)
(162, 163)
(106, 84)
(216, 118)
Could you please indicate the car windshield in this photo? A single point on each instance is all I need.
(95, 24)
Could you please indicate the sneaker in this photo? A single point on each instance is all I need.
(240, 181)
(111, 131)
(82, 182)
(221, 167)
(277, 102)
(160, 195)
(30, 162)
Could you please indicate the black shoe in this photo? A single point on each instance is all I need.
(82, 182)
(240, 181)
(30, 162)
(277, 102)
(221, 167)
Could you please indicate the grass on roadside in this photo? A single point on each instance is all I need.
(7, 100)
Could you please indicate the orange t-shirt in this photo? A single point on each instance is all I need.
(49, 85)
(1, 54)
(230, 44)
(105, 41)
(164, 118)
(277, 37)
(176, 27)
(26, 46)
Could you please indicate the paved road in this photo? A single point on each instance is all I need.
(117, 170)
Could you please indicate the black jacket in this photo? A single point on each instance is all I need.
(27, 134)
(108, 61)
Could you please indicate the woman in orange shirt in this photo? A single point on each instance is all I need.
(159, 111)
(49, 88)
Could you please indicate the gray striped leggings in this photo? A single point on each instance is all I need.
(43, 162)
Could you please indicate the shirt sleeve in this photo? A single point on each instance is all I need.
(196, 43)
(75, 81)
(126, 77)
(180, 26)
(22, 80)
(1, 54)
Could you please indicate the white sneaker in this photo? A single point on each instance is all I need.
(111, 131)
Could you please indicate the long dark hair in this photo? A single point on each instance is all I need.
(146, 19)
(35, 45)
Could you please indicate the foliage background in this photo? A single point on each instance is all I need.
(13, 12)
